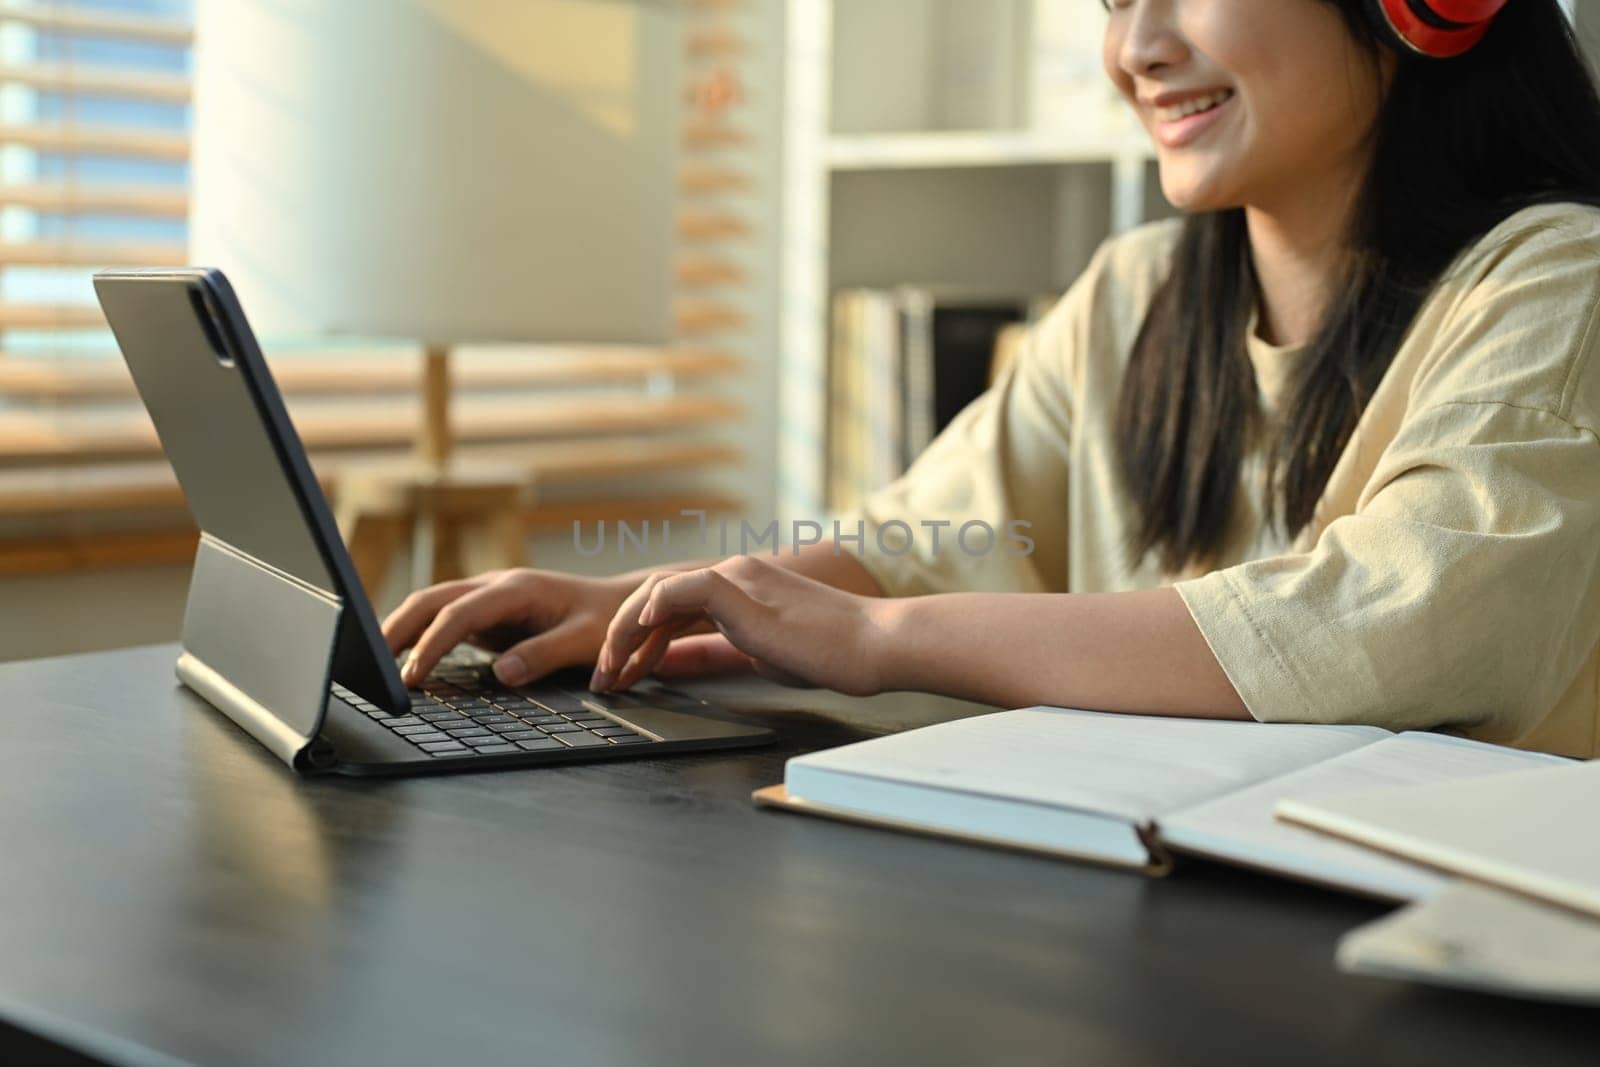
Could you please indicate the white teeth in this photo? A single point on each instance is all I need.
(1191, 107)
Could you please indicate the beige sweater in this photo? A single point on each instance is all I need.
(1451, 578)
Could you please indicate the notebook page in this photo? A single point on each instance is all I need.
(1241, 826)
(1132, 767)
(1532, 831)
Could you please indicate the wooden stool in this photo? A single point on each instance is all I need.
(458, 523)
(459, 520)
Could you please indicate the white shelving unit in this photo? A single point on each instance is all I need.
(966, 143)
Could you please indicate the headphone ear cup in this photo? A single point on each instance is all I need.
(1407, 31)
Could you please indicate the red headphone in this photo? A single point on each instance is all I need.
(1440, 29)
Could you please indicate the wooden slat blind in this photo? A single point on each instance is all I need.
(80, 381)
(98, 96)
(102, 21)
(716, 273)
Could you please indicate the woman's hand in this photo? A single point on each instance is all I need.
(557, 620)
(791, 629)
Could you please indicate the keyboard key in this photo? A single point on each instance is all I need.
(431, 735)
(545, 744)
(492, 718)
(445, 748)
(630, 739)
(522, 735)
(582, 740)
(469, 730)
(484, 742)
(471, 705)
(615, 731)
(508, 727)
(438, 716)
(544, 720)
(408, 720)
(564, 728)
(497, 750)
(417, 731)
(589, 722)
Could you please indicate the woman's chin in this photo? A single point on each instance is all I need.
(1194, 196)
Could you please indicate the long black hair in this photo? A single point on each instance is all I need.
(1457, 147)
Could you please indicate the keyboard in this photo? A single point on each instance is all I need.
(463, 710)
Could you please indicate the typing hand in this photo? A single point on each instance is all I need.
(561, 616)
(789, 628)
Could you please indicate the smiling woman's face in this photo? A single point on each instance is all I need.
(1246, 100)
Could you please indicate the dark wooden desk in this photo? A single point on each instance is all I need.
(166, 886)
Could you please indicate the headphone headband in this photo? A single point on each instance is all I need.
(1441, 29)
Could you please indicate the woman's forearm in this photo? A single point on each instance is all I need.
(1136, 652)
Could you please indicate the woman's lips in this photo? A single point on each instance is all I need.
(1175, 133)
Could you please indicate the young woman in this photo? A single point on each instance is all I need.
(1323, 450)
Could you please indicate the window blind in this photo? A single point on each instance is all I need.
(94, 143)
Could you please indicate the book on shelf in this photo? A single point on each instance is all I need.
(1137, 791)
(864, 405)
(902, 364)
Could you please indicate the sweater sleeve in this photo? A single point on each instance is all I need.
(1464, 589)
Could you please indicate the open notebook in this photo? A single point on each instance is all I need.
(1132, 791)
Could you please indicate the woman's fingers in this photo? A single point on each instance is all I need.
(406, 623)
(456, 621)
(649, 653)
(624, 634)
(702, 655)
(669, 600)
(785, 627)
(565, 646)
(708, 592)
